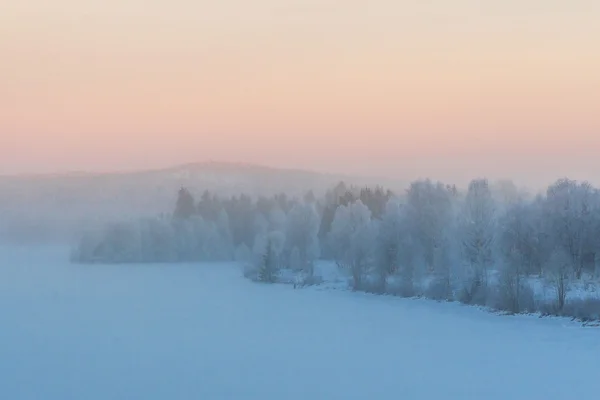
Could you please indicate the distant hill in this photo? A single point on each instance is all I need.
(58, 204)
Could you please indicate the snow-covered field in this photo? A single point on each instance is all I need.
(204, 332)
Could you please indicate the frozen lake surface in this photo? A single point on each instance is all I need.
(204, 332)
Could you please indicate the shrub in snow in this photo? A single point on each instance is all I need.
(586, 309)
(398, 286)
(473, 292)
(513, 296)
(371, 284)
(438, 289)
(302, 279)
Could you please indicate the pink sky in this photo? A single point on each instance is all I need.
(446, 89)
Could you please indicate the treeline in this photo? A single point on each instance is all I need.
(480, 246)
(215, 228)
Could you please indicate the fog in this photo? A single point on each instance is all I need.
(50, 208)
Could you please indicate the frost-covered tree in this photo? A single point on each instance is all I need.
(212, 244)
(517, 240)
(267, 270)
(242, 215)
(391, 238)
(571, 213)
(429, 213)
(352, 239)
(158, 240)
(277, 219)
(267, 250)
(558, 274)
(309, 197)
(295, 262)
(187, 238)
(375, 199)
(225, 238)
(261, 224)
(477, 225)
(302, 231)
(185, 206)
(539, 241)
(506, 193)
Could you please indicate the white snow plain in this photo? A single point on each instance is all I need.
(204, 332)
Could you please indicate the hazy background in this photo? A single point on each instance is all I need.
(406, 89)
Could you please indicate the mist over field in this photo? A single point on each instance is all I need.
(299, 199)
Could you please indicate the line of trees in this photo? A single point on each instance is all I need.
(485, 245)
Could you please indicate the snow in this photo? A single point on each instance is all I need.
(204, 332)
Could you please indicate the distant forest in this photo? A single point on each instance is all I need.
(478, 246)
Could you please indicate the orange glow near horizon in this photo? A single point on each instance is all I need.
(447, 89)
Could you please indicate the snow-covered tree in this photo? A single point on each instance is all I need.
(302, 230)
(277, 219)
(185, 206)
(517, 240)
(158, 240)
(261, 224)
(268, 249)
(506, 193)
(295, 262)
(185, 238)
(571, 212)
(267, 269)
(558, 273)
(478, 229)
(225, 245)
(391, 238)
(353, 240)
(429, 212)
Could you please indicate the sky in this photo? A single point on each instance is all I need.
(403, 88)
